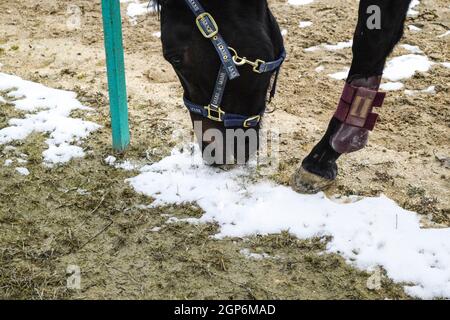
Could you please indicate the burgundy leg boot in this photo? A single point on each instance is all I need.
(354, 112)
(347, 132)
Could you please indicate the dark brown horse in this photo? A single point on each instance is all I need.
(201, 37)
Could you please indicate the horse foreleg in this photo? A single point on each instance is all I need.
(373, 41)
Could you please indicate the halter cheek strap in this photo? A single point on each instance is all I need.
(230, 60)
(209, 29)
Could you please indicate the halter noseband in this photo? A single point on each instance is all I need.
(230, 60)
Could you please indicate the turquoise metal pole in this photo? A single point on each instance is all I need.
(112, 25)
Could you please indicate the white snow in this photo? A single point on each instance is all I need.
(368, 233)
(312, 49)
(127, 165)
(411, 48)
(446, 64)
(331, 47)
(429, 90)
(300, 2)
(444, 34)
(48, 111)
(251, 255)
(135, 9)
(305, 24)
(9, 149)
(8, 162)
(319, 69)
(23, 171)
(392, 86)
(341, 75)
(412, 11)
(110, 160)
(400, 68)
(404, 67)
(338, 46)
(414, 28)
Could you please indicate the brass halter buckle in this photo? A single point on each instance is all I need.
(257, 64)
(255, 118)
(214, 113)
(205, 27)
(240, 61)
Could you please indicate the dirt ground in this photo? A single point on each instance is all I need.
(84, 213)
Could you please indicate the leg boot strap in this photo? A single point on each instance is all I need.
(356, 106)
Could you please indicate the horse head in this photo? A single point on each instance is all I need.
(249, 37)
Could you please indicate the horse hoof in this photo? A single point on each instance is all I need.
(305, 182)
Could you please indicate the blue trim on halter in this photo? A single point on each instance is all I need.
(228, 71)
(273, 65)
(230, 120)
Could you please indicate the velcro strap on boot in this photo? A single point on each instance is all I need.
(356, 106)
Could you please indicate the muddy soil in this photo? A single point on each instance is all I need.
(84, 213)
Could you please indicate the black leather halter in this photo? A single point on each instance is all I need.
(228, 71)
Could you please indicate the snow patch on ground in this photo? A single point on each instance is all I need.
(368, 233)
(127, 165)
(251, 255)
(411, 48)
(135, 9)
(404, 67)
(341, 75)
(444, 34)
(392, 86)
(300, 2)
(305, 24)
(412, 6)
(413, 28)
(400, 68)
(23, 171)
(48, 111)
(429, 90)
(331, 47)
(319, 69)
